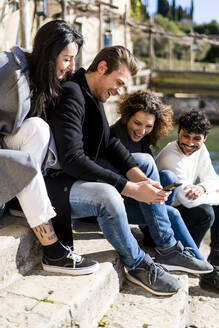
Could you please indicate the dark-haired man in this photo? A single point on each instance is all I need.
(198, 197)
(101, 170)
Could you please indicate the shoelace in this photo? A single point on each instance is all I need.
(72, 255)
(154, 270)
(188, 251)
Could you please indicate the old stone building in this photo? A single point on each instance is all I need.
(102, 23)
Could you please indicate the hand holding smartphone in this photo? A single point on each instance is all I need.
(172, 186)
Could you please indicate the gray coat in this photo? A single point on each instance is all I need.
(17, 167)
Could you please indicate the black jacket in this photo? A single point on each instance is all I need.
(82, 136)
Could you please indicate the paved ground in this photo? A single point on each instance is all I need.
(133, 308)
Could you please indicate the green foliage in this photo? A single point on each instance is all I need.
(103, 322)
(208, 28)
(46, 300)
(136, 9)
(212, 55)
(141, 47)
(181, 52)
(201, 52)
(161, 47)
(168, 25)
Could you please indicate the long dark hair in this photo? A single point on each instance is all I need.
(49, 41)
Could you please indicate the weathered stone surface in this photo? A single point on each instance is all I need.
(19, 253)
(203, 306)
(137, 308)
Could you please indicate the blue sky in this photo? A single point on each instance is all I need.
(204, 10)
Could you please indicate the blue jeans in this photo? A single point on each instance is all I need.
(167, 177)
(88, 199)
(181, 229)
(164, 222)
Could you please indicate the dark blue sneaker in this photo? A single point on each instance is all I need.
(152, 277)
(180, 258)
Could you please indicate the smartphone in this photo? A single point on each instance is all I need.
(172, 186)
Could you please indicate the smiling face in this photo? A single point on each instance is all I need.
(139, 125)
(106, 85)
(65, 60)
(190, 142)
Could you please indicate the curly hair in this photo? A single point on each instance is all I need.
(147, 102)
(194, 122)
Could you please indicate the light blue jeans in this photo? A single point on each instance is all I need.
(104, 201)
(148, 214)
(88, 199)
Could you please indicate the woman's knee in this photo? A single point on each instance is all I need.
(142, 158)
(167, 177)
(147, 164)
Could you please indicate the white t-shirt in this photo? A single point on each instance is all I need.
(188, 169)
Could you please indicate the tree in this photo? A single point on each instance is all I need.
(180, 13)
(191, 10)
(144, 11)
(208, 28)
(173, 10)
(163, 8)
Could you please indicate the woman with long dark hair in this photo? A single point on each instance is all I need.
(30, 84)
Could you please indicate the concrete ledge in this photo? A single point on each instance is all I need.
(138, 309)
(53, 301)
(47, 300)
(19, 252)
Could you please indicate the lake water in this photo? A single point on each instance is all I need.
(212, 144)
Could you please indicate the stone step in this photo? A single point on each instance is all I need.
(135, 308)
(203, 306)
(46, 300)
(19, 252)
(41, 299)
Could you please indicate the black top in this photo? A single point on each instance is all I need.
(120, 131)
(82, 136)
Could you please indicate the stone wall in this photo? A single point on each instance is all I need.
(208, 104)
(179, 105)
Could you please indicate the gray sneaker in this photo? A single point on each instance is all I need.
(180, 258)
(153, 278)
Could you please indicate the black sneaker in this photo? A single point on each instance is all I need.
(213, 257)
(152, 277)
(210, 281)
(70, 263)
(180, 258)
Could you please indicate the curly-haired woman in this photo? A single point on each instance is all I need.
(144, 119)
